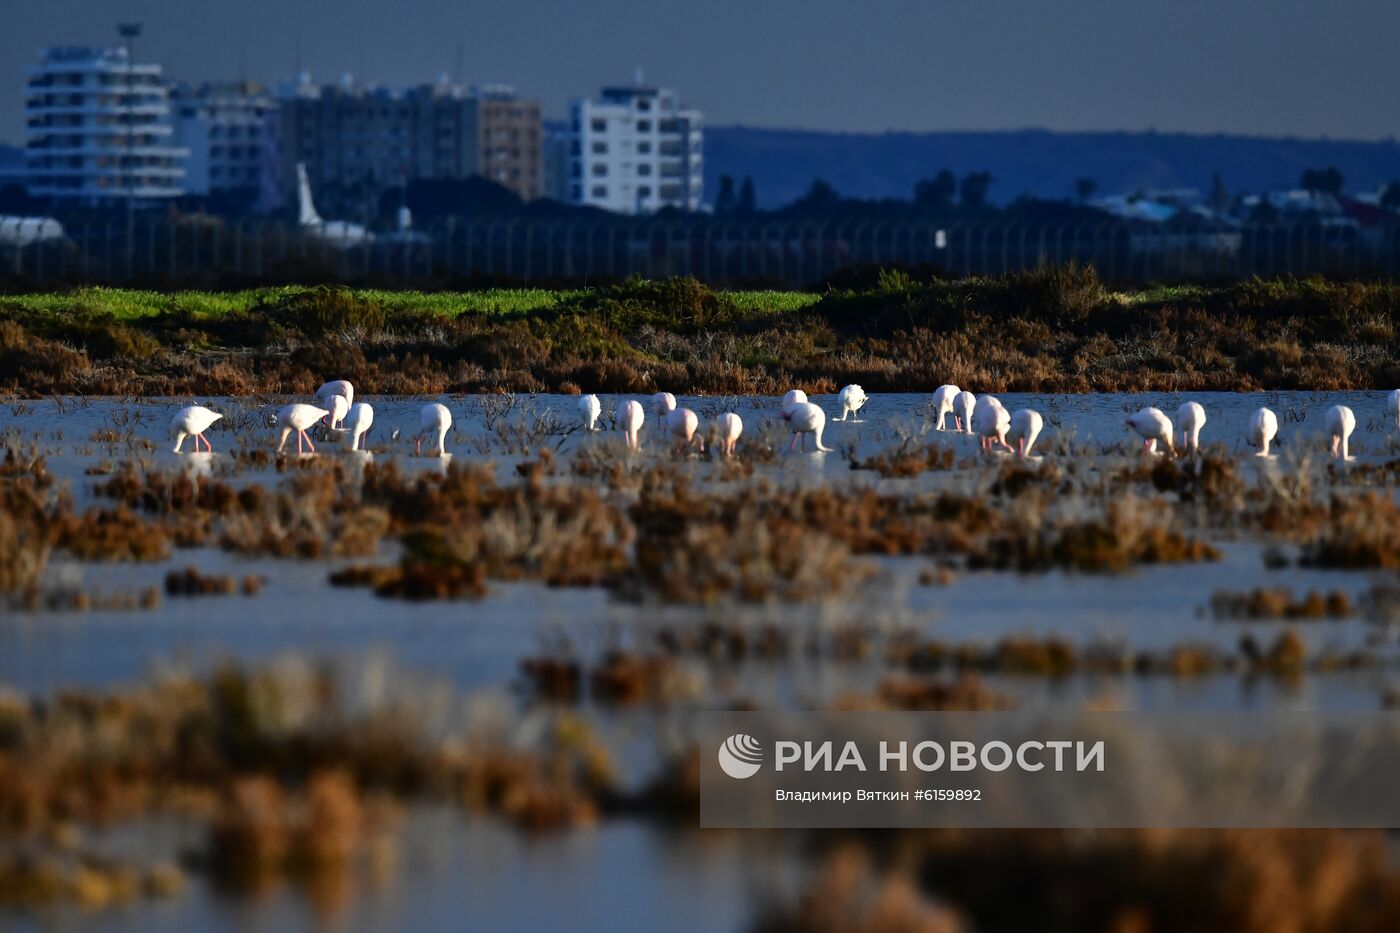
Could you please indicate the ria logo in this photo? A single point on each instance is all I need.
(741, 756)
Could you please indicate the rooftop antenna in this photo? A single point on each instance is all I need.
(637, 78)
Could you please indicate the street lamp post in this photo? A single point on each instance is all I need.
(129, 32)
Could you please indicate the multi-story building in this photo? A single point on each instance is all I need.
(231, 133)
(555, 161)
(509, 139)
(97, 129)
(635, 150)
(357, 140)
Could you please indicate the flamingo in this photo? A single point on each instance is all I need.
(338, 405)
(1393, 406)
(805, 418)
(729, 426)
(1026, 425)
(683, 423)
(990, 422)
(299, 418)
(589, 408)
(793, 397)
(336, 387)
(357, 424)
(1190, 418)
(851, 399)
(1263, 428)
(1152, 426)
(963, 404)
(629, 417)
(193, 421)
(662, 404)
(1340, 422)
(943, 404)
(433, 419)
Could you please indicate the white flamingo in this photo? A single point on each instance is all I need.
(805, 419)
(963, 403)
(1263, 428)
(300, 418)
(793, 397)
(728, 428)
(990, 422)
(336, 387)
(662, 404)
(1340, 422)
(193, 421)
(589, 408)
(943, 398)
(1026, 426)
(629, 417)
(357, 424)
(1152, 426)
(851, 399)
(434, 421)
(684, 425)
(338, 406)
(1190, 418)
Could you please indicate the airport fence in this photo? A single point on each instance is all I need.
(168, 252)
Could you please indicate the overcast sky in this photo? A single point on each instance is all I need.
(1290, 67)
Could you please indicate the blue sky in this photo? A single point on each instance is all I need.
(1281, 67)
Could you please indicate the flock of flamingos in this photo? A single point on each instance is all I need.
(984, 416)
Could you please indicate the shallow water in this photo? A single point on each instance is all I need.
(479, 644)
(502, 427)
(627, 874)
(453, 872)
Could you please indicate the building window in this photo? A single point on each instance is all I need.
(644, 169)
(600, 148)
(643, 147)
(600, 169)
(644, 191)
(643, 126)
(599, 125)
(575, 192)
(600, 191)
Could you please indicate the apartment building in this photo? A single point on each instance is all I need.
(231, 131)
(356, 140)
(98, 129)
(635, 150)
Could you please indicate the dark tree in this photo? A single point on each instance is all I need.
(1085, 188)
(15, 199)
(973, 192)
(1219, 195)
(1390, 196)
(1263, 212)
(724, 201)
(936, 193)
(1326, 181)
(748, 199)
(821, 196)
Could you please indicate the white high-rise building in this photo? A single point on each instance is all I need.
(97, 129)
(635, 150)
